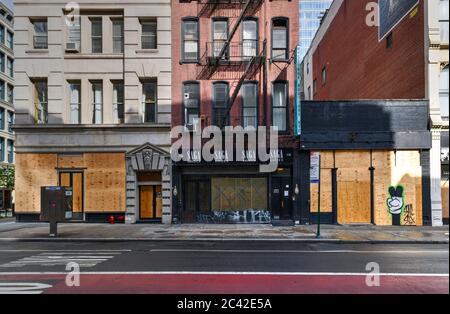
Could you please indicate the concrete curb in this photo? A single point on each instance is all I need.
(321, 240)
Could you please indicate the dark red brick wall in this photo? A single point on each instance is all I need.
(358, 66)
(186, 72)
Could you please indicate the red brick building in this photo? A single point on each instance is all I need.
(233, 65)
(347, 61)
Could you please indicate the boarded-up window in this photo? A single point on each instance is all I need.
(235, 194)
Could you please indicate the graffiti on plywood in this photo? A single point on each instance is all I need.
(409, 218)
(235, 217)
(396, 203)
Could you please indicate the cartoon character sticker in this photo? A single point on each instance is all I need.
(396, 203)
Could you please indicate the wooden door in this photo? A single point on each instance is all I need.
(146, 202)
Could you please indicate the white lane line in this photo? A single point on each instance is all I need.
(300, 251)
(227, 273)
(22, 287)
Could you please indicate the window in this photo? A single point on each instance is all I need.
(10, 151)
(309, 93)
(41, 102)
(2, 149)
(443, 93)
(2, 62)
(117, 36)
(118, 103)
(220, 104)
(250, 105)
(149, 37)
(74, 32)
(10, 65)
(280, 45)
(307, 68)
(40, 35)
(10, 121)
(249, 38)
(2, 34)
(324, 76)
(2, 118)
(220, 36)
(149, 101)
(2, 90)
(443, 20)
(97, 106)
(190, 40)
(10, 94)
(96, 35)
(75, 102)
(279, 105)
(191, 104)
(315, 87)
(10, 40)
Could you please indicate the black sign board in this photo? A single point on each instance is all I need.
(391, 12)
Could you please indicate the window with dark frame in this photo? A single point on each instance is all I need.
(249, 93)
(97, 105)
(279, 105)
(324, 75)
(40, 101)
(149, 102)
(10, 144)
(190, 38)
(118, 102)
(149, 34)
(220, 103)
(117, 35)
(75, 102)
(40, 38)
(315, 87)
(97, 35)
(220, 36)
(249, 38)
(389, 41)
(191, 104)
(280, 45)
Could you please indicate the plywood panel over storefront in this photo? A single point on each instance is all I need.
(326, 200)
(32, 172)
(70, 161)
(105, 179)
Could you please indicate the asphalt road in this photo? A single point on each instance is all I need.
(222, 267)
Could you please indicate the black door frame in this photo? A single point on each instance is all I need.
(76, 216)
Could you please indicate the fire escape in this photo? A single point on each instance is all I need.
(248, 57)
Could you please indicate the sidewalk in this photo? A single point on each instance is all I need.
(13, 231)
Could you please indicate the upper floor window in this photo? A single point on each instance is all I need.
(118, 103)
(443, 93)
(250, 105)
(220, 36)
(2, 90)
(10, 121)
(2, 118)
(74, 35)
(97, 106)
(10, 94)
(2, 149)
(220, 104)
(40, 39)
(443, 20)
(190, 37)
(97, 35)
(117, 36)
(149, 101)
(10, 65)
(149, 36)
(279, 105)
(10, 40)
(40, 101)
(75, 102)
(315, 87)
(2, 62)
(2, 34)
(280, 43)
(249, 38)
(10, 151)
(191, 104)
(324, 76)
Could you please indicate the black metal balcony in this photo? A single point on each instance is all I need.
(234, 53)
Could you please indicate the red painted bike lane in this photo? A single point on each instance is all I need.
(230, 283)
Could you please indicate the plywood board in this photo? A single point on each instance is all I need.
(353, 195)
(70, 161)
(444, 191)
(326, 200)
(77, 185)
(105, 180)
(352, 159)
(32, 172)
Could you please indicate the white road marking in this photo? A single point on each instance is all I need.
(22, 287)
(299, 251)
(228, 273)
(63, 258)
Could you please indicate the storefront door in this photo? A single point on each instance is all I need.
(150, 197)
(75, 181)
(281, 198)
(197, 200)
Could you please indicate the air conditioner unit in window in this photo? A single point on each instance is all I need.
(72, 47)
